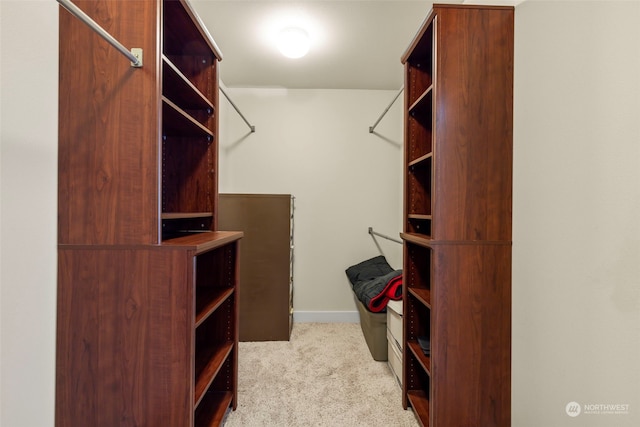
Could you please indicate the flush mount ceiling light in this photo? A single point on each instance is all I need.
(295, 28)
(293, 42)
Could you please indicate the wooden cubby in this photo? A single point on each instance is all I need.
(147, 326)
(457, 209)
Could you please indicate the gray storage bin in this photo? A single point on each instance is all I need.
(374, 328)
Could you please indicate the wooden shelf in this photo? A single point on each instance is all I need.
(186, 215)
(422, 160)
(419, 216)
(178, 88)
(417, 239)
(177, 122)
(208, 300)
(423, 295)
(211, 412)
(419, 401)
(424, 360)
(202, 242)
(207, 364)
(422, 107)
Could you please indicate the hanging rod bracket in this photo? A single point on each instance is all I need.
(137, 52)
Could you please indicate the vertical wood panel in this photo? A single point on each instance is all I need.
(471, 335)
(125, 324)
(474, 121)
(108, 126)
(76, 356)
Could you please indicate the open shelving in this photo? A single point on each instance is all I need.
(147, 285)
(457, 217)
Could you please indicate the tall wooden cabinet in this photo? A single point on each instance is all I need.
(147, 324)
(457, 217)
(266, 267)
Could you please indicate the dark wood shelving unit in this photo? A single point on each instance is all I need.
(457, 209)
(147, 326)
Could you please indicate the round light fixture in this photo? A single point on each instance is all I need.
(293, 42)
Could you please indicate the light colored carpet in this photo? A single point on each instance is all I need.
(323, 376)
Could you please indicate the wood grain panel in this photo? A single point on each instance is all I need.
(125, 322)
(471, 335)
(473, 151)
(108, 127)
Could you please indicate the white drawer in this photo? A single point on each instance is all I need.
(395, 305)
(394, 358)
(394, 325)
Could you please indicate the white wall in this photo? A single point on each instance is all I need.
(576, 307)
(316, 145)
(576, 216)
(29, 126)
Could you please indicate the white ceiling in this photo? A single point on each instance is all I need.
(358, 43)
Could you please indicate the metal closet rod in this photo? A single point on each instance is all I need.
(383, 236)
(252, 127)
(135, 56)
(371, 128)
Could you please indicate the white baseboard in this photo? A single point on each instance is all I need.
(326, 317)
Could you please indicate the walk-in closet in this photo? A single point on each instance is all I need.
(321, 213)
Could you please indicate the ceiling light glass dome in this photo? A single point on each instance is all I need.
(293, 42)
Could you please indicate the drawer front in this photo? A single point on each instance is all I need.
(394, 358)
(394, 325)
